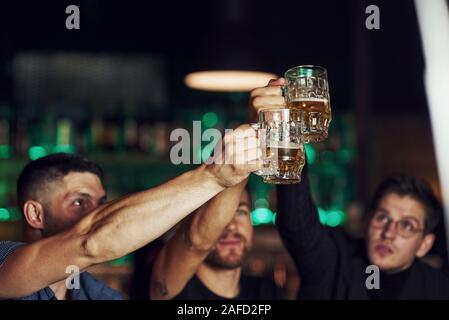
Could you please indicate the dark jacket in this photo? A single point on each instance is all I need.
(332, 267)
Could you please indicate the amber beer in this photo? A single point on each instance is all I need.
(289, 159)
(316, 117)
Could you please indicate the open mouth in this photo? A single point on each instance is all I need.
(383, 249)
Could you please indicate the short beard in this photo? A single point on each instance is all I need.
(216, 261)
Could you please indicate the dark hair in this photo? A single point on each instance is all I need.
(51, 168)
(420, 190)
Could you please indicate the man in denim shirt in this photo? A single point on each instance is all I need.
(68, 222)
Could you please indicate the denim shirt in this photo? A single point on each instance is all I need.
(90, 288)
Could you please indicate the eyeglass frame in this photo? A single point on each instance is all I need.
(390, 220)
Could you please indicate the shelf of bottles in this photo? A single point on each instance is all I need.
(132, 144)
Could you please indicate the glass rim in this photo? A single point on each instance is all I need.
(293, 72)
(282, 110)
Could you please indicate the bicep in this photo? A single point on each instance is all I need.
(33, 267)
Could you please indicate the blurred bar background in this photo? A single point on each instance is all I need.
(114, 90)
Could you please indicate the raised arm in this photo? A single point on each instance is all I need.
(186, 250)
(306, 239)
(118, 228)
(308, 242)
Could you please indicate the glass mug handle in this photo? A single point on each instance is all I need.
(265, 171)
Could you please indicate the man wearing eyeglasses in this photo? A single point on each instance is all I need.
(399, 231)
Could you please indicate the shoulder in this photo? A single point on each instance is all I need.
(95, 289)
(8, 247)
(435, 282)
(430, 272)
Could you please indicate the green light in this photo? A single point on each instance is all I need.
(206, 152)
(334, 218)
(66, 148)
(210, 119)
(274, 218)
(322, 216)
(345, 155)
(4, 214)
(261, 216)
(122, 261)
(310, 153)
(4, 151)
(261, 203)
(37, 152)
(15, 214)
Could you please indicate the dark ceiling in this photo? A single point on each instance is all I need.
(274, 34)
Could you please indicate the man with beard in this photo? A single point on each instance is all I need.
(401, 219)
(69, 225)
(203, 260)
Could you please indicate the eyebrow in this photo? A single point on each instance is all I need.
(406, 217)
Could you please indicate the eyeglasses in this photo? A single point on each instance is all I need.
(404, 227)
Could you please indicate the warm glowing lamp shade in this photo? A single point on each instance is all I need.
(227, 80)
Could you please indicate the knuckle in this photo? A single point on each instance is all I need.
(258, 101)
(254, 92)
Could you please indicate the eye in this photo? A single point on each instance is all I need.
(242, 212)
(78, 202)
(383, 218)
(407, 225)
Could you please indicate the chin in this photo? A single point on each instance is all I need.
(385, 263)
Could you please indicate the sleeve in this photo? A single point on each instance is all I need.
(307, 240)
(8, 247)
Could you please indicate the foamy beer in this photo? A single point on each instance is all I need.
(307, 89)
(283, 157)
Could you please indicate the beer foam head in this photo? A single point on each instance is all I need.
(310, 99)
(284, 145)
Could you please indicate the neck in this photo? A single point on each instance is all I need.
(222, 282)
(398, 271)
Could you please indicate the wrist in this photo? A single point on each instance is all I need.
(209, 177)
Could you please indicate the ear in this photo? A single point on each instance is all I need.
(426, 245)
(34, 214)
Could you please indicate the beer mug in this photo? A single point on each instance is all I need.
(279, 131)
(306, 88)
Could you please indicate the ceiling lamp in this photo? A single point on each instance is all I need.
(231, 55)
(227, 80)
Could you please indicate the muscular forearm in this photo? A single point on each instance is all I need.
(192, 243)
(140, 218)
(109, 232)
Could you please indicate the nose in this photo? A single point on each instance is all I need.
(232, 226)
(389, 231)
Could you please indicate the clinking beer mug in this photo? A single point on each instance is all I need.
(279, 131)
(307, 89)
